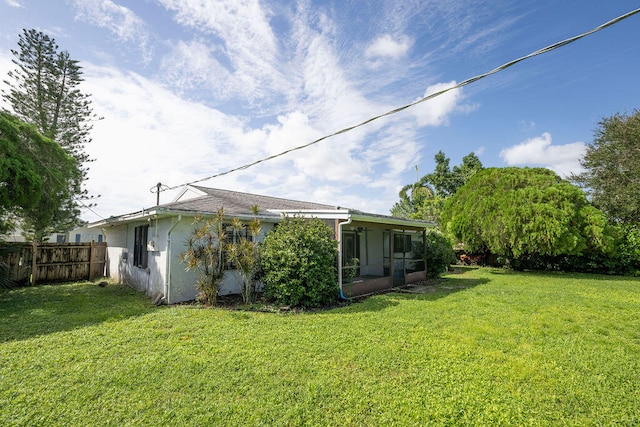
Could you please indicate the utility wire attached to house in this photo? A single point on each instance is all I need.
(420, 100)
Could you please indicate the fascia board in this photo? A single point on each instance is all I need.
(311, 213)
(392, 221)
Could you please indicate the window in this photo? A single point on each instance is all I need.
(140, 255)
(61, 238)
(78, 237)
(99, 238)
(401, 243)
(233, 236)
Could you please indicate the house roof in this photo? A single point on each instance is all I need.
(203, 200)
(235, 202)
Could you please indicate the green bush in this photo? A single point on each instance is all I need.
(623, 259)
(298, 262)
(438, 253)
(628, 250)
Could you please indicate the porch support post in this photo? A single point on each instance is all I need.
(339, 238)
(392, 258)
(424, 249)
(404, 257)
(336, 230)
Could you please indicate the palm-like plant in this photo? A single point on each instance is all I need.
(205, 254)
(245, 254)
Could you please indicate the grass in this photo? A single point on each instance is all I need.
(488, 347)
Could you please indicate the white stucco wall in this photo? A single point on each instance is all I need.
(120, 242)
(183, 284)
(165, 275)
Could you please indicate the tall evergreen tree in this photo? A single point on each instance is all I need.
(44, 91)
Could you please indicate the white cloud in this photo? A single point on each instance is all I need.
(14, 3)
(122, 22)
(242, 30)
(436, 111)
(386, 47)
(539, 151)
(150, 135)
(192, 66)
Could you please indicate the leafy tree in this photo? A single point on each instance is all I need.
(20, 181)
(43, 91)
(523, 212)
(471, 164)
(412, 197)
(246, 254)
(298, 262)
(205, 254)
(442, 178)
(35, 175)
(425, 198)
(447, 181)
(612, 164)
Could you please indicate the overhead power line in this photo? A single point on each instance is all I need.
(423, 99)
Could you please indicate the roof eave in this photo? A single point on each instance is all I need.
(157, 213)
(400, 222)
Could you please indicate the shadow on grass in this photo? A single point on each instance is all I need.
(33, 311)
(431, 291)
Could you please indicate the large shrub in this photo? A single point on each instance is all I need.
(524, 213)
(437, 252)
(298, 262)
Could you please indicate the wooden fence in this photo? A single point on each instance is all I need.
(54, 262)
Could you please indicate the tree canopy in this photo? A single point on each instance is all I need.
(516, 212)
(612, 168)
(425, 198)
(34, 176)
(43, 90)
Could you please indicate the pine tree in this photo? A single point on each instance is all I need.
(44, 91)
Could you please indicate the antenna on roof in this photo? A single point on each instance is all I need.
(157, 189)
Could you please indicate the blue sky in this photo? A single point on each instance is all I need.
(191, 88)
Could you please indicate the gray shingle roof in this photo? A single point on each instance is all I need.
(235, 202)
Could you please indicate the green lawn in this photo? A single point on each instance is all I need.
(487, 348)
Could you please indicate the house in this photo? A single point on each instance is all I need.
(144, 247)
(81, 234)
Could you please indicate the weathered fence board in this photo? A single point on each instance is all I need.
(54, 262)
